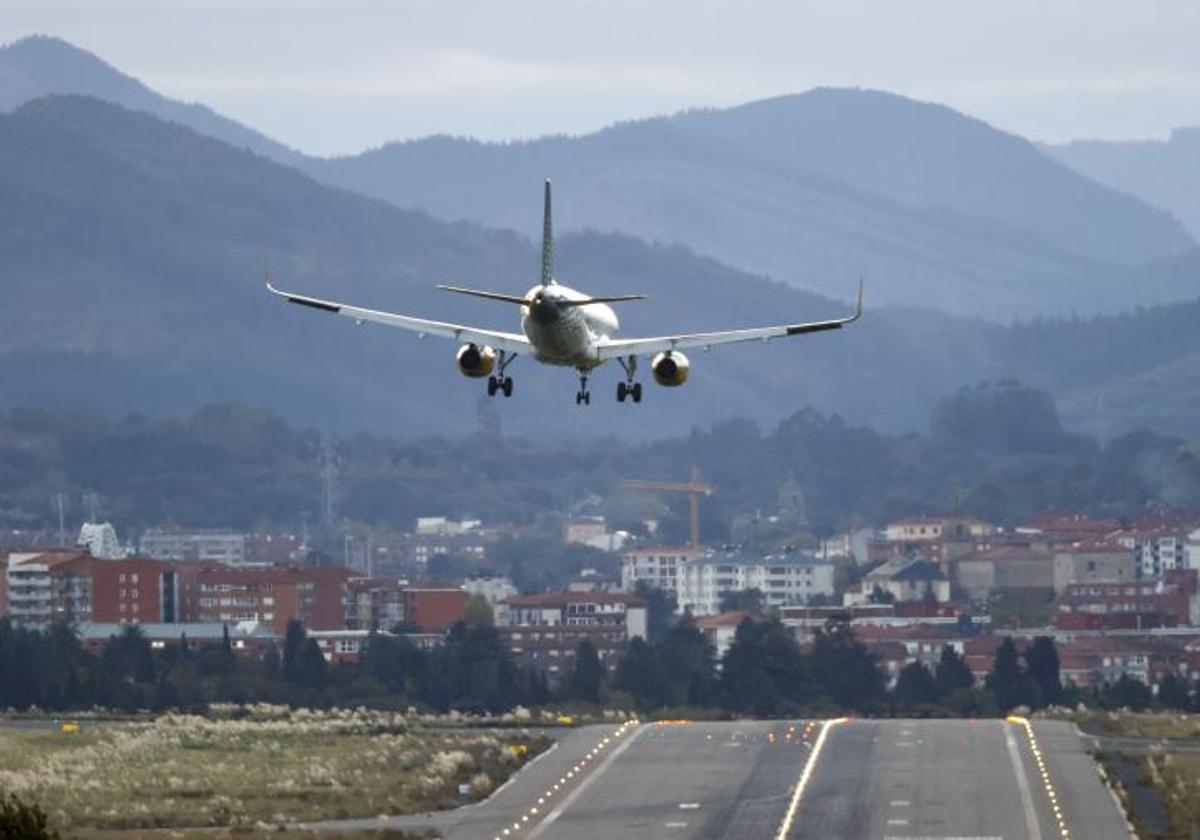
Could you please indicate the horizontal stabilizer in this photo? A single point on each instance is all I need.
(481, 294)
(609, 299)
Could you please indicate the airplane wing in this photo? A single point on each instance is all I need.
(619, 347)
(510, 342)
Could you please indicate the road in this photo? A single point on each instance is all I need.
(877, 779)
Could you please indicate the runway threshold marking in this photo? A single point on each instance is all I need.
(789, 817)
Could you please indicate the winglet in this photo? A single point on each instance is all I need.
(547, 241)
(858, 309)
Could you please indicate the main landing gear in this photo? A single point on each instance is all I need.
(501, 382)
(629, 388)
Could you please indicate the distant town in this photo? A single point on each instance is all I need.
(1117, 599)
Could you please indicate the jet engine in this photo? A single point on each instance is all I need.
(475, 361)
(670, 368)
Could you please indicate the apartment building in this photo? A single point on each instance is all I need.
(209, 546)
(783, 579)
(544, 631)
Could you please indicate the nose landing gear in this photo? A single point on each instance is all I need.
(583, 396)
(629, 388)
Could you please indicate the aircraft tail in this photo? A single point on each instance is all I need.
(547, 242)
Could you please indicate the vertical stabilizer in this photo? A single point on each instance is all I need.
(547, 242)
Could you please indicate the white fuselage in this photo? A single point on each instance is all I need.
(566, 335)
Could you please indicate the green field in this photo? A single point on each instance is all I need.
(265, 770)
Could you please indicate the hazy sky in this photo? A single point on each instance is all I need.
(343, 75)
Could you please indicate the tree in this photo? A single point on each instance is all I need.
(952, 673)
(21, 820)
(915, 686)
(1129, 693)
(1009, 684)
(1041, 662)
(293, 645)
(844, 670)
(1173, 693)
(312, 665)
(480, 612)
(744, 600)
(588, 674)
(763, 670)
(660, 610)
(638, 674)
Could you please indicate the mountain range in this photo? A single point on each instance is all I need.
(936, 209)
(134, 248)
(1165, 173)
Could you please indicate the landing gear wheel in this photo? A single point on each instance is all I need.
(621, 391)
(583, 396)
(507, 386)
(636, 392)
(493, 384)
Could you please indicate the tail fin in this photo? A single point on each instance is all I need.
(547, 242)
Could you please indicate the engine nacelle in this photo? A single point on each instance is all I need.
(670, 368)
(475, 361)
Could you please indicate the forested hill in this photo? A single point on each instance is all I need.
(939, 209)
(997, 451)
(134, 250)
(40, 66)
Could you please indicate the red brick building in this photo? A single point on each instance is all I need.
(137, 590)
(434, 609)
(315, 596)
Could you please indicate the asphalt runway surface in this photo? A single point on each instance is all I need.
(786, 780)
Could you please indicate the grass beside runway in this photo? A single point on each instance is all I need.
(189, 772)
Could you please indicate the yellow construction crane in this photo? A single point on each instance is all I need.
(694, 488)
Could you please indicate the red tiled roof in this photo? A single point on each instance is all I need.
(729, 619)
(1011, 552)
(1094, 547)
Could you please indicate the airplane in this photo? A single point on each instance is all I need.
(564, 327)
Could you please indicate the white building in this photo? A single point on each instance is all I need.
(100, 538)
(225, 547)
(443, 527)
(593, 531)
(783, 579)
(658, 567)
(1192, 550)
(43, 587)
(1156, 550)
(495, 589)
(902, 579)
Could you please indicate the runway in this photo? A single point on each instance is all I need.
(877, 779)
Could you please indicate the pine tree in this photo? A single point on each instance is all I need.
(952, 673)
(915, 686)
(587, 675)
(293, 645)
(1009, 684)
(1041, 661)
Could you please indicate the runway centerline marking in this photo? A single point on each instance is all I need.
(785, 827)
(688, 806)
